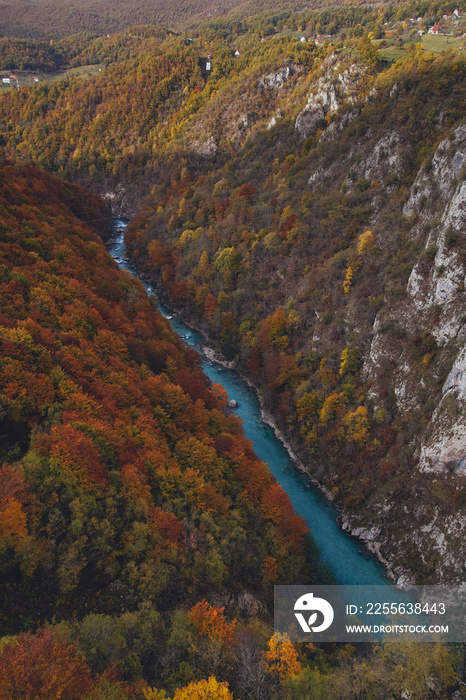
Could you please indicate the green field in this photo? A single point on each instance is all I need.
(434, 43)
(391, 54)
(80, 72)
(441, 42)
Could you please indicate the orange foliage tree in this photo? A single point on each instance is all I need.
(210, 622)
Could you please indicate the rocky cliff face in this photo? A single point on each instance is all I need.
(338, 82)
(441, 286)
(414, 348)
(433, 303)
(232, 113)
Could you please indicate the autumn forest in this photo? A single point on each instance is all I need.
(291, 176)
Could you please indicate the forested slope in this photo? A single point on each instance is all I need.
(45, 20)
(125, 487)
(110, 132)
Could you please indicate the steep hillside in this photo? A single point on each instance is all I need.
(327, 259)
(126, 486)
(109, 133)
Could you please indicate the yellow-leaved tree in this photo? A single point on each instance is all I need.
(281, 657)
(357, 425)
(207, 689)
(366, 242)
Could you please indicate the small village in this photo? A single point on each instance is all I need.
(18, 80)
(449, 29)
(25, 78)
(392, 39)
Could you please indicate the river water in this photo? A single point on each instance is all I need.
(350, 562)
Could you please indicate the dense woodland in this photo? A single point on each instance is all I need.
(45, 20)
(140, 537)
(122, 470)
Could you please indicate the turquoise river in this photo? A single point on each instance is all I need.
(350, 563)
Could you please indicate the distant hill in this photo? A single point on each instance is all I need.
(49, 20)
